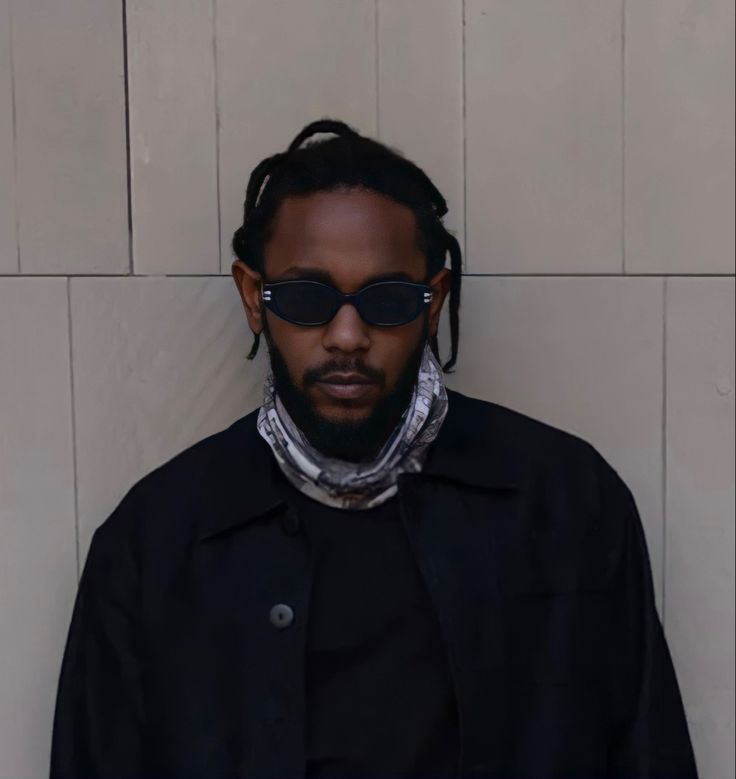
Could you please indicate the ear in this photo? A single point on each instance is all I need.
(440, 284)
(248, 282)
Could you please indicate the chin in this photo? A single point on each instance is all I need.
(343, 412)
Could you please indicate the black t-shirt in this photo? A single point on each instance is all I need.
(380, 701)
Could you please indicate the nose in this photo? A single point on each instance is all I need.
(347, 332)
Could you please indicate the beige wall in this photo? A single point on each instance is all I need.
(586, 151)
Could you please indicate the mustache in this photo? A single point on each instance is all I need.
(313, 375)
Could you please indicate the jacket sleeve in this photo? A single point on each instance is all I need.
(98, 718)
(649, 736)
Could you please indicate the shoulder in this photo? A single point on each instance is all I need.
(571, 492)
(170, 495)
(487, 427)
(557, 465)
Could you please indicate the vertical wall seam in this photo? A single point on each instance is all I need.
(377, 67)
(73, 423)
(464, 133)
(129, 173)
(623, 136)
(664, 448)
(14, 135)
(216, 96)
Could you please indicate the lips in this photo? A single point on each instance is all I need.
(346, 385)
(346, 378)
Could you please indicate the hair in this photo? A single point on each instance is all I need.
(349, 161)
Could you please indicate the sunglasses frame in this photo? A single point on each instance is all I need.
(353, 298)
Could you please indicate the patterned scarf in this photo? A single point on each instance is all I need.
(349, 485)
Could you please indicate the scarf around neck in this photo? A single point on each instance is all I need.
(349, 485)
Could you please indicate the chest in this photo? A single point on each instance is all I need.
(521, 618)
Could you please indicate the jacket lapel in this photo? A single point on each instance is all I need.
(461, 514)
(241, 480)
(457, 537)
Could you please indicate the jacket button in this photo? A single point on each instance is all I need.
(282, 615)
(290, 523)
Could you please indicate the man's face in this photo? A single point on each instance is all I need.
(345, 383)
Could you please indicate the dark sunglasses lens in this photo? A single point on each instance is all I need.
(391, 303)
(304, 302)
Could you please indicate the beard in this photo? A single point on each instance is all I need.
(355, 441)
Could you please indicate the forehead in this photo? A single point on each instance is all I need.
(348, 236)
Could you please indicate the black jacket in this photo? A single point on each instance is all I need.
(534, 556)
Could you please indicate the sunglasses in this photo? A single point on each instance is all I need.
(313, 303)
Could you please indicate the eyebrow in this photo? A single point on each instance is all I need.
(318, 274)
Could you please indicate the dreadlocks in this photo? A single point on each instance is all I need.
(349, 161)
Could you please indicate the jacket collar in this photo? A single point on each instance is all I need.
(470, 448)
(242, 477)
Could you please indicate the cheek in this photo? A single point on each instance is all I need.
(299, 346)
(394, 346)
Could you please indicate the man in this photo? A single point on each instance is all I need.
(369, 576)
